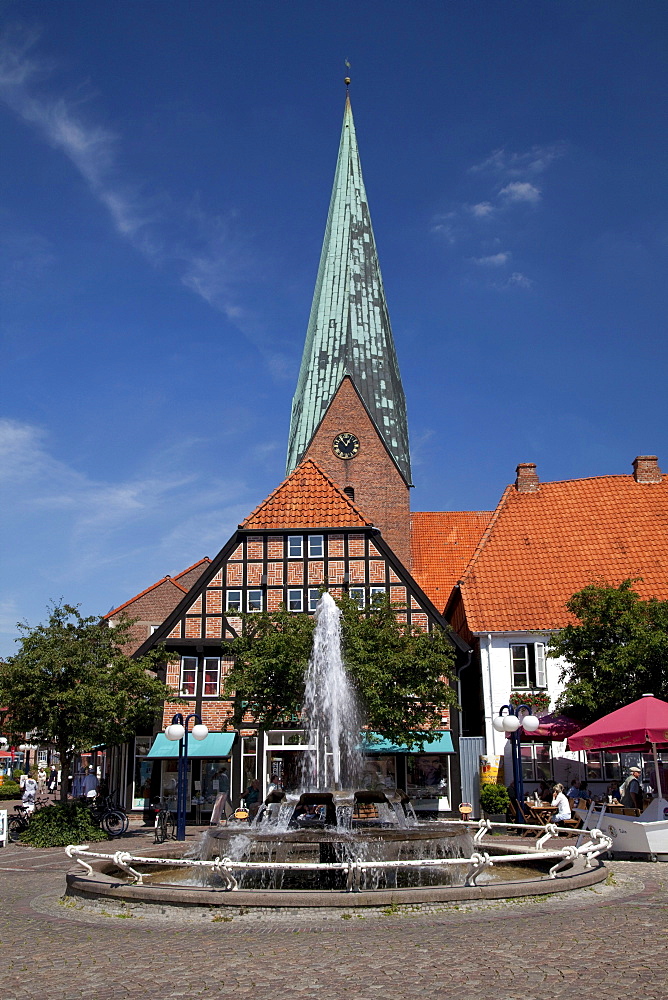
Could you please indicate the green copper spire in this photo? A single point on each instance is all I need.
(349, 330)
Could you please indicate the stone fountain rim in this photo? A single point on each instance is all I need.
(104, 885)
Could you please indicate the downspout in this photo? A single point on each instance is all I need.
(459, 687)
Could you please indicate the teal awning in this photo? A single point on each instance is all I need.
(439, 743)
(215, 745)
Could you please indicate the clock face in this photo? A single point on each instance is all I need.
(345, 445)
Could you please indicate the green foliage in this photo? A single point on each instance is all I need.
(10, 790)
(72, 684)
(494, 799)
(398, 671)
(616, 653)
(60, 825)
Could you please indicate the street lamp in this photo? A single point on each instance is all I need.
(509, 721)
(178, 730)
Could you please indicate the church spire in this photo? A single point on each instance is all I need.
(349, 330)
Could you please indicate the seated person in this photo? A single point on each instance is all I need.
(562, 803)
(574, 791)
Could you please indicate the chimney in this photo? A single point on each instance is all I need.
(646, 469)
(527, 480)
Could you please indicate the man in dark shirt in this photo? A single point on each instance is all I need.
(633, 793)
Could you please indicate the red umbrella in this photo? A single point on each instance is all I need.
(552, 727)
(638, 726)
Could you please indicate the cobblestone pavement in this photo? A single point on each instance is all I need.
(609, 941)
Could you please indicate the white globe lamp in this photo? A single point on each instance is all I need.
(530, 723)
(200, 731)
(497, 722)
(511, 723)
(175, 731)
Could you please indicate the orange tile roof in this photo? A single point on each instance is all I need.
(199, 562)
(306, 499)
(441, 545)
(543, 546)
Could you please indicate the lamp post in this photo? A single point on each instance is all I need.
(178, 730)
(509, 721)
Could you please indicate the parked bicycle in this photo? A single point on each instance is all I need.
(165, 823)
(21, 818)
(110, 816)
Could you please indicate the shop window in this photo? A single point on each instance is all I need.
(357, 594)
(233, 600)
(313, 598)
(316, 546)
(536, 761)
(427, 775)
(295, 600)
(143, 773)
(188, 676)
(527, 664)
(211, 675)
(295, 547)
(254, 600)
(380, 772)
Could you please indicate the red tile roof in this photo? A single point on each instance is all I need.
(441, 545)
(306, 499)
(541, 547)
(179, 581)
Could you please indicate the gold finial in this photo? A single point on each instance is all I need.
(346, 79)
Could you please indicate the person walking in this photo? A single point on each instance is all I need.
(631, 790)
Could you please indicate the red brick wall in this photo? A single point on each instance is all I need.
(380, 491)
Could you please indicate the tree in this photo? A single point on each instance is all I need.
(617, 652)
(72, 685)
(400, 673)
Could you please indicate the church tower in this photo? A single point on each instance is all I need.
(349, 409)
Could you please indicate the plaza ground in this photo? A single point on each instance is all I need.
(607, 941)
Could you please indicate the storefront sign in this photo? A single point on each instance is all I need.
(491, 769)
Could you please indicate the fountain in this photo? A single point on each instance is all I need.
(334, 837)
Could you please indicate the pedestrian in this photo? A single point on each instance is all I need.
(29, 793)
(41, 779)
(89, 784)
(52, 781)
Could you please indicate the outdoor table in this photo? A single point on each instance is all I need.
(542, 814)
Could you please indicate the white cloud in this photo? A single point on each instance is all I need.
(493, 260)
(482, 210)
(520, 280)
(200, 248)
(521, 191)
(531, 162)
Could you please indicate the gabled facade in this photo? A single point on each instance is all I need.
(544, 542)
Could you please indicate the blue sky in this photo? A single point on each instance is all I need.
(166, 173)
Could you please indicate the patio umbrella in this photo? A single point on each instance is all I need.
(552, 727)
(638, 726)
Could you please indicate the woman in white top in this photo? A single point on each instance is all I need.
(561, 802)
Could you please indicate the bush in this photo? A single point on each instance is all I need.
(62, 824)
(10, 790)
(494, 798)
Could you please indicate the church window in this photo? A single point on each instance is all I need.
(254, 600)
(188, 675)
(527, 662)
(316, 546)
(295, 600)
(313, 598)
(357, 594)
(211, 675)
(234, 600)
(295, 547)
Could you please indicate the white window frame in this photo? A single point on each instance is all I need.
(536, 764)
(313, 598)
(374, 592)
(316, 541)
(534, 663)
(254, 590)
(193, 670)
(238, 600)
(209, 669)
(298, 542)
(357, 594)
(292, 591)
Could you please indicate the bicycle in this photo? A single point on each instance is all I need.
(111, 817)
(165, 823)
(21, 820)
